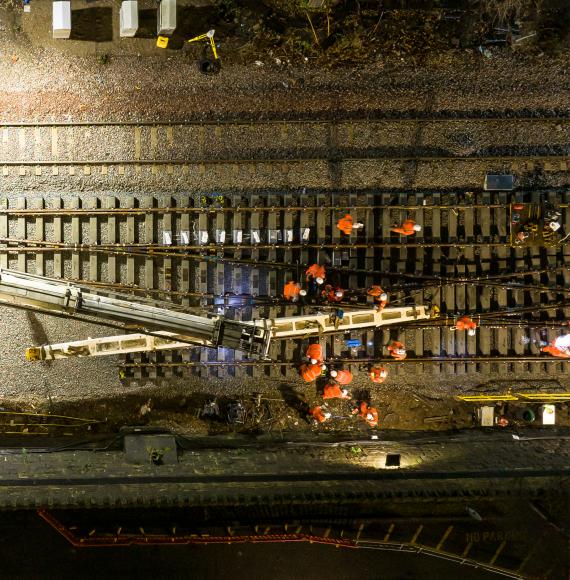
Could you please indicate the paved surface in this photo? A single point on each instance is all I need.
(465, 464)
(41, 553)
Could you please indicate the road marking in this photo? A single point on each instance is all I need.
(444, 537)
(390, 530)
(467, 550)
(498, 552)
(418, 532)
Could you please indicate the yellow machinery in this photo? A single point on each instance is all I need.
(162, 41)
(209, 36)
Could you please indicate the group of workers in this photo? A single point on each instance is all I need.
(407, 228)
(336, 387)
(315, 276)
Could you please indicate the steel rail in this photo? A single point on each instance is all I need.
(489, 283)
(52, 212)
(295, 265)
(501, 117)
(381, 360)
(289, 160)
(161, 249)
(271, 300)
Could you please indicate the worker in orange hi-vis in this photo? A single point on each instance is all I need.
(369, 414)
(311, 372)
(315, 354)
(317, 272)
(346, 224)
(331, 294)
(559, 347)
(466, 323)
(333, 391)
(318, 415)
(292, 291)
(342, 377)
(408, 228)
(380, 297)
(397, 350)
(554, 351)
(378, 374)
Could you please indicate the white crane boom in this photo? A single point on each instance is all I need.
(170, 328)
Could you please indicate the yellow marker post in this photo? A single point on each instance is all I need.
(162, 41)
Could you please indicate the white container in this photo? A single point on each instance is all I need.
(61, 19)
(129, 18)
(166, 21)
(548, 414)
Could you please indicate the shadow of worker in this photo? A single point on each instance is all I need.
(294, 401)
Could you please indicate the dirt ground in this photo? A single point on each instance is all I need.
(261, 77)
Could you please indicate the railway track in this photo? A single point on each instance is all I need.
(190, 249)
(281, 146)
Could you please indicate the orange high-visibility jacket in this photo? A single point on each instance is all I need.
(333, 391)
(345, 224)
(343, 377)
(374, 291)
(465, 323)
(393, 346)
(406, 229)
(315, 271)
(366, 409)
(329, 293)
(291, 290)
(317, 414)
(310, 372)
(315, 351)
(375, 374)
(551, 349)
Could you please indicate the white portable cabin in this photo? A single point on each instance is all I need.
(129, 18)
(61, 19)
(166, 21)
